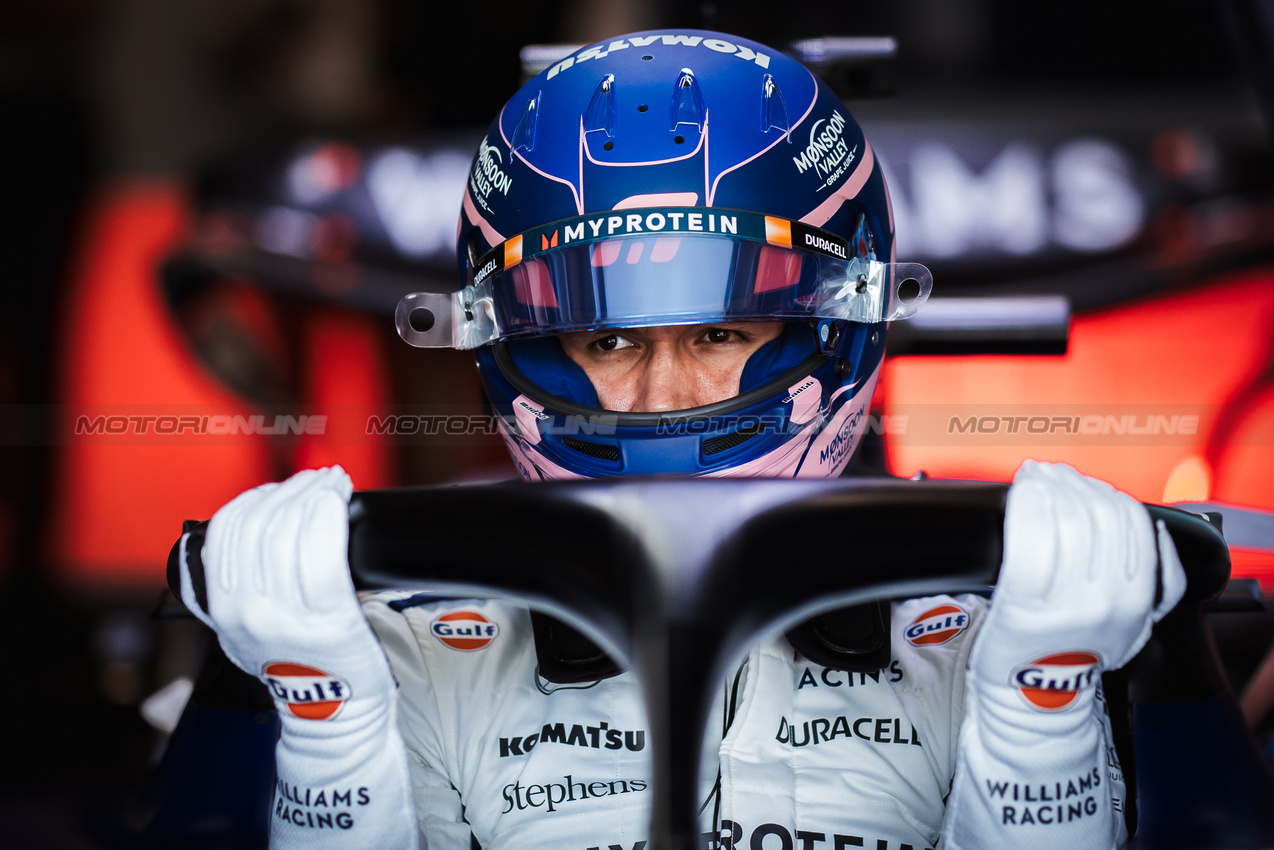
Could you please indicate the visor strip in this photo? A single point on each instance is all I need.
(662, 221)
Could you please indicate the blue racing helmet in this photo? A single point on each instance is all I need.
(668, 178)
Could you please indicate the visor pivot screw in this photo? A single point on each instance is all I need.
(875, 337)
(843, 368)
(861, 286)
(468, 312)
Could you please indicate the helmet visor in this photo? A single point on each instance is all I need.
(663, 266)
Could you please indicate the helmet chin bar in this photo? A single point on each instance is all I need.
(566, 407)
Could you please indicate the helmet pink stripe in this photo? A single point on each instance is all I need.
(847, 191)
(475, 218)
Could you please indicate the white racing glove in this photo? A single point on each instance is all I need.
(1076, 595)
(284, 609)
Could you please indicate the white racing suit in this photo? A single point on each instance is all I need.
(811, 758)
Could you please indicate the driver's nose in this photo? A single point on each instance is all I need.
(667, 381)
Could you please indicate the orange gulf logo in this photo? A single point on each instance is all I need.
(464, 630)
(1053, 682)
(937, 625)
(307, 692)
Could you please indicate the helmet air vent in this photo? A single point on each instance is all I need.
(524, 132)
(687, 102)
(716, 445)
(601, 109)
(774, 109)
(597, 450)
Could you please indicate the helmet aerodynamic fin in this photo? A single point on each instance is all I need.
(524, 133)
(773, 108)
(601, 109)
(687, 102)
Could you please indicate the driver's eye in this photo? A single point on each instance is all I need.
(718, 335)
(612, 342)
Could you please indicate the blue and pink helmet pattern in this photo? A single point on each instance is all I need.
(681, 119)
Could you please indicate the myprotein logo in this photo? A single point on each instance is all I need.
(464, 631)
(937, 626)
(306, 692)
(737, 836)
(596, 737)
(1054, 682)
(550, 795)
(626, 224)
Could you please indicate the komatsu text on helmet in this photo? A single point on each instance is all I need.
(672, 178)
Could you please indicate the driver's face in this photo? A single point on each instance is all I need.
(671, 367)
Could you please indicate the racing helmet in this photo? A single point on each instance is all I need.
(669, 178)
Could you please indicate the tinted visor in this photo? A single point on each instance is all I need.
(637, 268)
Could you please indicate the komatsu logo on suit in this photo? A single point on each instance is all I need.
(1053, 682)
(596, 737)
(307, 692)
(465, 631)
(671, 40)
(937, 626)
